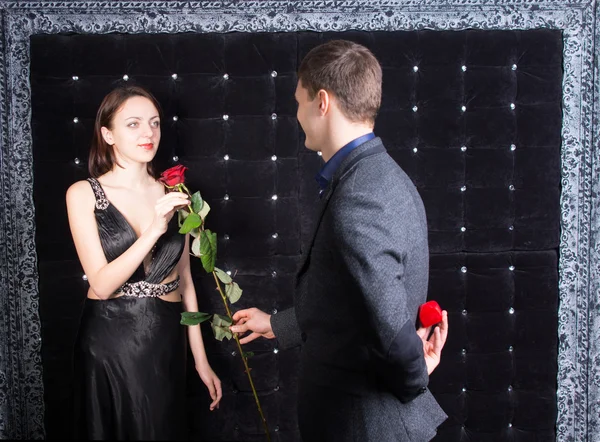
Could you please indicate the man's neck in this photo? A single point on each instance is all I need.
(342, 135)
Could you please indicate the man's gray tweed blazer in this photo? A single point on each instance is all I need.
(359, 287)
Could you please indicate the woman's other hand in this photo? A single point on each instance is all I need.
(213, 383)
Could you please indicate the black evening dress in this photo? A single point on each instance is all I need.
(131, 350)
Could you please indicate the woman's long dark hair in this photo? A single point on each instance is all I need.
(102, 155)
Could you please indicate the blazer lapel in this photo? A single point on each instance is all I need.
(321, 210)
(369, 148)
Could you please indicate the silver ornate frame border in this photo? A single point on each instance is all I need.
(21, 389)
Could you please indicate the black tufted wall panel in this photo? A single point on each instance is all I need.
(473, 117)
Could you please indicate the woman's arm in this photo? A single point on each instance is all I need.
(190, 304)
(105, 278)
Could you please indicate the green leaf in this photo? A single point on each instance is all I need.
(208, 249)
(195, 232)
(221, 333)
(222, 320)
(181, 216)
(220, 326)
(233, 292)
(204, 211)
(248, 354)
(224, 277)
(196, 246)
(191, 222)
(194, 318)
(197, 202)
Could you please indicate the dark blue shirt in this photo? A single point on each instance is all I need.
(326, 173)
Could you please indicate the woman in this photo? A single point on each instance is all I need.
(132, 348)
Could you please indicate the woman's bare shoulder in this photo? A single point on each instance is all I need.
(80, 192)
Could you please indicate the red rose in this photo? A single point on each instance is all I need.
(430, 313)
(173, 176)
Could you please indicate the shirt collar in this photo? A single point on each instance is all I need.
(328, 170)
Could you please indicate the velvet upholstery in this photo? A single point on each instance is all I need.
(489, 177)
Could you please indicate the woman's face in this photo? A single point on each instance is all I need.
(135, 131)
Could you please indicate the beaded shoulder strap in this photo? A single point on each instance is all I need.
(101, 201)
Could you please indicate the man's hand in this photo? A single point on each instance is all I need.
(432, 347)
(254, 320)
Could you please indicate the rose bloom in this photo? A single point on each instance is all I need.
(430, 313)
(173, 176)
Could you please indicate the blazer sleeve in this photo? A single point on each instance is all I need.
(373, 232)
(286, 329)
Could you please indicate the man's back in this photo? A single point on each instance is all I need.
(364, 278)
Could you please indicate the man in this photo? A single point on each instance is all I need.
(364, 371)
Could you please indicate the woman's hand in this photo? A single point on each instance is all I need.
(212, 382)
(432, 347)
(164, 209)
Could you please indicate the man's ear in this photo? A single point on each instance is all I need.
(324, 101)
(107, 135)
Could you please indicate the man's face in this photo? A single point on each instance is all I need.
(309, 117)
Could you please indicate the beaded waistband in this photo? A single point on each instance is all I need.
(143, 289)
